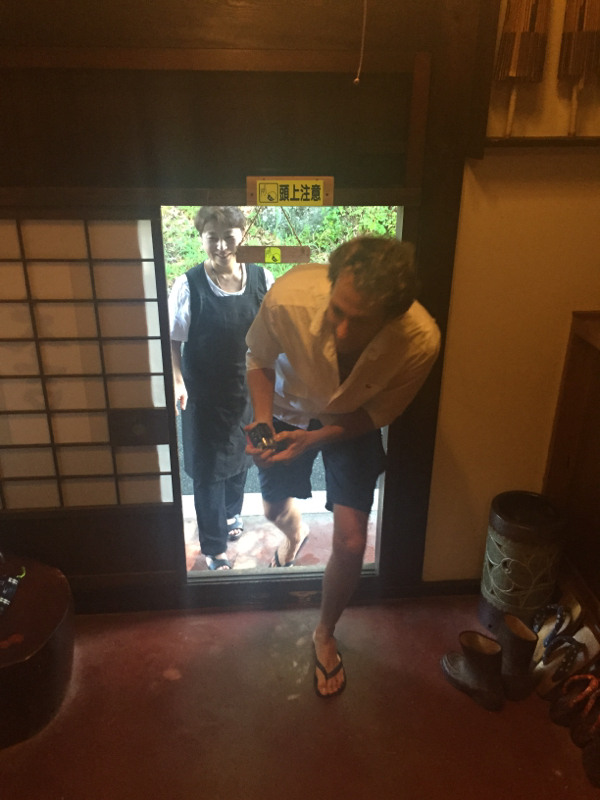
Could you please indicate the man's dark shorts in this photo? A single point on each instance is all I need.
(351, 471)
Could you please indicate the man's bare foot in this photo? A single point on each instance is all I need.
(327, 654)
(289, 548)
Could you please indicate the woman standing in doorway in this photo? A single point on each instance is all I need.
(211, 308)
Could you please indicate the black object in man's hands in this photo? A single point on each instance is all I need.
(261, 437)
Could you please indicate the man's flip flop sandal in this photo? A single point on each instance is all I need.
(328, 675)
(236, 525)
(277, 563)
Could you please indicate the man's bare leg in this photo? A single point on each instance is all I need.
(340, 579)
(287, 517)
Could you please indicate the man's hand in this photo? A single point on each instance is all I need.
(181, 395)
(260, 456)
(294, 442)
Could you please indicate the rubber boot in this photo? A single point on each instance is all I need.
(518, 645)
(477, 672)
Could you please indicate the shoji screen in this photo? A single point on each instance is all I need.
(83, 411)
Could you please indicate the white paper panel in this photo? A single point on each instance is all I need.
(59, 281)
(24, 429)
(12, 283)
(21, 394)
(129, 319)
(19, 358)
(89, 492)
(54, 239)
(136, 392)
(85, 460)
(125, 281)
(158, 489)
(15, 321)
(80, 428)
(75, 358)
(66, 319)
(121, 239)
(143, 459)
(9, 240)
(25, 463)
(31, 494)
(76, 393)
(133, 356)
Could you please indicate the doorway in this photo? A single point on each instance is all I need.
(322, 229)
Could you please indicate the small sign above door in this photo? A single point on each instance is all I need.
(289, 191)
(250, 254)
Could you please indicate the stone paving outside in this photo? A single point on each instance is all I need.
(255, 549)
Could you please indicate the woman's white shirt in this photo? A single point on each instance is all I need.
(179, 301)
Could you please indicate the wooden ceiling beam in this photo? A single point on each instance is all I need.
(222, 60)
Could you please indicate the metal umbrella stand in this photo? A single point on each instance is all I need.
(523, 548)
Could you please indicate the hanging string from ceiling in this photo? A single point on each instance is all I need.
(362, 42)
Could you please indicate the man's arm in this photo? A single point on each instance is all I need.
(261, 383)
(179, 385)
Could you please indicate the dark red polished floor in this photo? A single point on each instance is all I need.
(172, 706)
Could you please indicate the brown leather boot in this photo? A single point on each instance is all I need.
(477, 672)
(518, 645)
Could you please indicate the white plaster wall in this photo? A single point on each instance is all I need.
(528, 255)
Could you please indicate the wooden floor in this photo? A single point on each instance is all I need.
(207, 706)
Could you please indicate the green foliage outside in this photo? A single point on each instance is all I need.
(322, 228)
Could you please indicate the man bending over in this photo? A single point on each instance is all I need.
(335, 353)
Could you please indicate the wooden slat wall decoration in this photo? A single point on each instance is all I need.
(580, 45)
(522, 50)
(580, 50)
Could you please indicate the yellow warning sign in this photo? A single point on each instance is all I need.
(273, 255)
(290, 192)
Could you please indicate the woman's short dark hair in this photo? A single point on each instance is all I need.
(229, 215)
(382, 268)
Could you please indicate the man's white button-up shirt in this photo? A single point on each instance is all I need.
(292, 336)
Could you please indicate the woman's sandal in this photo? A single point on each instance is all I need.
(563, 657)
(217, 563)
(236, 525)
(548, 623)
(554, 620)
(576, 692)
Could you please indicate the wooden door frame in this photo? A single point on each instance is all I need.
(431, 200)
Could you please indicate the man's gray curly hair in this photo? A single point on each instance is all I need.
(383, 269)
